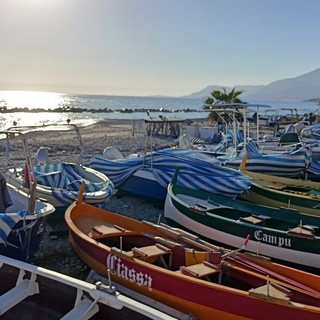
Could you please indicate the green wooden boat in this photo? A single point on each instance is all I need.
(283, 234)
(302, 195)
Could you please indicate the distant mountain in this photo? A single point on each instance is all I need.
(303, 87)
(204, 93)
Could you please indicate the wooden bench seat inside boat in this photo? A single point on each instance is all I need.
(303, 231)
(102, 230)
(277, 186)
(271, 291)
(152, 253)
(178, 255)
(199, 270)
(96, 228)
(255, 219)
(184, 245)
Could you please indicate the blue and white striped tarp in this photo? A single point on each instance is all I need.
(314, 170)
(119, 170)
(287, 164)
(226, 142)
(63, 180)
(65, 176)
(7, 223)
(197, 170)
(311, 132)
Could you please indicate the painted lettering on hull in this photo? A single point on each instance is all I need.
(271, 239)
(119, 268)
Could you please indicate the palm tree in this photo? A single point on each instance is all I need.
(222, 97)
(219, 98)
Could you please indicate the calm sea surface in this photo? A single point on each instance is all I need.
(117, 104)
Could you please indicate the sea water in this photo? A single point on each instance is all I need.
(117, 107)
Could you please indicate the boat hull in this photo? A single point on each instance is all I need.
(61, 197)
(301, 195)
(142, 183)
(197, 297)
(295, 250)
(24, 244)
(270, 198)
(20, 240)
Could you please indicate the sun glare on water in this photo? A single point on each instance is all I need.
(30, 99)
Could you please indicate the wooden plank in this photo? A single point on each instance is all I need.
(302, 232)
(200, 270)
(272, 292)
(277, 186)
(251, 219)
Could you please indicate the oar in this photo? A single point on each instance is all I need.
(281, 281)
(195, 240)
(186, 237)
(265, 271)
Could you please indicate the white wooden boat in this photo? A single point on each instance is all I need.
(58, 182)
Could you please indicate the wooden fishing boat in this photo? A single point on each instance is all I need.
(285, 235)
(23, 223)
(31, 292)
(180, 270)
(57, 182)
(302, 195)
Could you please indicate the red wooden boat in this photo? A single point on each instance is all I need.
(186, 273)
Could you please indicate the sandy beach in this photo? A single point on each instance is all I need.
(64, 145)
(55, 252)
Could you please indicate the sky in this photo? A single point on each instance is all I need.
(154, 47)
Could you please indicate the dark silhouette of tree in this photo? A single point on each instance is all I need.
(223, 97)
(219, 98)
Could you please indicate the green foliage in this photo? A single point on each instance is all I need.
(223, 97)
(218, 98)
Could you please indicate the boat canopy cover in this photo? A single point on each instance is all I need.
(197, 170)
